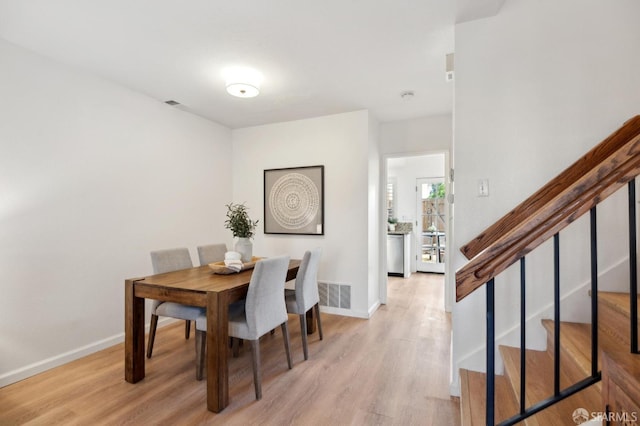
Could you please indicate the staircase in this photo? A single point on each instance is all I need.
(575, 342)
(583, 372)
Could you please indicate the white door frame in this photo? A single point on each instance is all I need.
(449, 278)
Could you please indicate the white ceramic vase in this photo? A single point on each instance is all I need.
(244, 246)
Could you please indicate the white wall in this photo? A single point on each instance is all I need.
(430, 133)
(536, 87)
(342, 144)
(92, 177)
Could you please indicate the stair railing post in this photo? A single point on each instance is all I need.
(491, 360)
(556, 314)
(633, 267)
(523, 336)
(594, 292)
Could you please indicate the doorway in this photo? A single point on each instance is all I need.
(431, 224)
(399, 195)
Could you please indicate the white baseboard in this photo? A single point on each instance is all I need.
(344, 312)
(373, 309)
(66, 357)
(58, 360)
(72, 355)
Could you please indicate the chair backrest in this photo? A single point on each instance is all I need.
(265, 307)
(307, 280)
(170, 260)
(211, 253)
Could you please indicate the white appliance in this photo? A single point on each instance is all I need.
(395, 254)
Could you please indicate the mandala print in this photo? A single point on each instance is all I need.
(294, 201)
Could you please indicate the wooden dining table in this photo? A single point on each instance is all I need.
(196, 287)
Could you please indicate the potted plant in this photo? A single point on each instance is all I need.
(392, 223)
(242, 227)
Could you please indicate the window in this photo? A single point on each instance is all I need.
(392, 201)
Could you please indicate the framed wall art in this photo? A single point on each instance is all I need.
(294, 201)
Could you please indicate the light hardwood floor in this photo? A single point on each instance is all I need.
(392, 369)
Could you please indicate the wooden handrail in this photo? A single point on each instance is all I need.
(595, 176)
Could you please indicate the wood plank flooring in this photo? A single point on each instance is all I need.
(390, 370)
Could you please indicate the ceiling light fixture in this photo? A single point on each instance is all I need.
(242, 82)
(242, 90)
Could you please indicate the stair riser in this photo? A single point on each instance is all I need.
(614, 326)
(473, 401)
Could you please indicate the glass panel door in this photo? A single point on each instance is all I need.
(431, 225)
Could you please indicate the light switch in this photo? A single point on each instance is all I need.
(483, 187)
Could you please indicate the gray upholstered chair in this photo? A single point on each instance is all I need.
(263, 311)
(211, 253)
(215, 253)
(305, 296)
(167, 261)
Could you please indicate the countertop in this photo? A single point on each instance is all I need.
(402, 228)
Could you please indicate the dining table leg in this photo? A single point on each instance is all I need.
(217, 338)
(133, 334)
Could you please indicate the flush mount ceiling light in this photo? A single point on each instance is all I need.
(242, 90)
(242, 82)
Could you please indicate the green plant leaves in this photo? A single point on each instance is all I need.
(239, 222)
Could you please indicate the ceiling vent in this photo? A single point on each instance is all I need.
(408, 95)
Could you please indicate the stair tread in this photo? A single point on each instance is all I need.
(539, 378)
(575, 340)
(473, 401)
(539, 365)
(575, 353)
(617, 301)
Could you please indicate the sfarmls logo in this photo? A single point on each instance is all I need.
(581, 416)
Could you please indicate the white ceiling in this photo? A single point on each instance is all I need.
(317, 57)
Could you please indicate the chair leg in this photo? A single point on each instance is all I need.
(303, 333)
(287, 347)
(187, 329)
(200, 353)
(317, 308)
(152, 334)
(257, 374)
